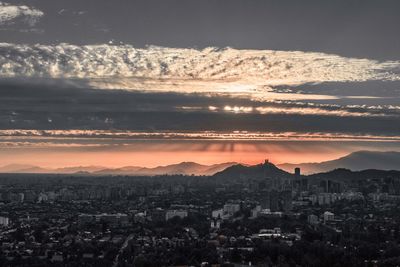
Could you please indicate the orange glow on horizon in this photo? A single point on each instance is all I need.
(113, 149)
(167, 154)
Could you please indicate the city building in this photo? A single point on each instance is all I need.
(4, 221)
(175, 213)
(328, 216)
(312, 219)
(112, 220)
(297, 172)
(217, 213)
(231, 208)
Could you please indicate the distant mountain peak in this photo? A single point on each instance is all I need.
(356, 161)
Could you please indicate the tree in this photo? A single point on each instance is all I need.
(140, 261)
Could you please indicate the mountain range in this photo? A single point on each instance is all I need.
(356, 161)
(184, 168)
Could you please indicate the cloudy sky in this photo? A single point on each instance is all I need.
(148, 83)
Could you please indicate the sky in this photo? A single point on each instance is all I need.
(148, 83)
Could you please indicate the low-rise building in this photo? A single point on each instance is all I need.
(175, 213)
(328, 216)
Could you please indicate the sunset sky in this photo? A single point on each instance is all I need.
(148, 83)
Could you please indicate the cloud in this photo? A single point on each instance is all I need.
(360, 89)
(64, 11)
(251, 81)
(12, 14)
(249, 69)
(127, 137)
(56, 104)
(167, 89)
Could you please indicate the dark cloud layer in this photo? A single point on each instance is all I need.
(385, 89)
(371, 93)
(52, 106)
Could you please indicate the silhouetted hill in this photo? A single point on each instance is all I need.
(356, 161)
(346, 175)
(266, 170)
(259, 171)
(22, 168)
(79, 169)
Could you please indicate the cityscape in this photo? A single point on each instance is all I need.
(199, 133)
(242, 216)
